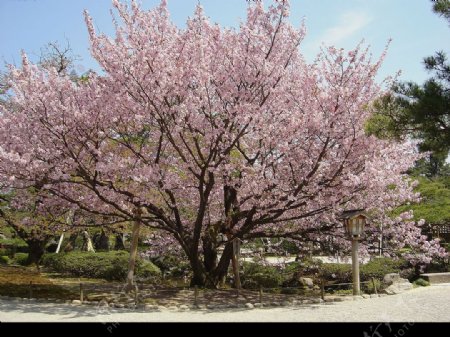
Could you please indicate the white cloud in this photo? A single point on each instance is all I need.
(349, 23)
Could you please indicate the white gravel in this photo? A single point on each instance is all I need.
(428, 304)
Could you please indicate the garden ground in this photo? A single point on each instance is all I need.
(424, 304)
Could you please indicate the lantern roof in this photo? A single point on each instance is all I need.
(353, 214)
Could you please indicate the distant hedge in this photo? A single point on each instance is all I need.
(106, 265)
(256, 275)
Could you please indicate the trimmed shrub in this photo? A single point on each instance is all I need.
(172, 266)
(4, 259)
(148, 271)
(341, 273)
(256, 275)
(107, 265)
(21, 258)
(438, 265)
(379, 267)
(421, 282)
(290, 247)
(309, 267)
(12, 246)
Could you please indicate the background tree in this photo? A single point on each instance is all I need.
(420, 111)
(32, 220)
(204, 132)
(23, 210)
(442, 7)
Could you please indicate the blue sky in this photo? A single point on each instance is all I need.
(416, 31)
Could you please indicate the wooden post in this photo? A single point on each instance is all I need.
(30, 290)
(81, 293)
(374, 286)
(260, 294)
(195, 295)
(136, 298)
(355, 267)
(322, 290)
(235, 264)
(61, 238)
(133, 250)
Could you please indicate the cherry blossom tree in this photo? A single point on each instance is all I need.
(203, 131)
(34, 221)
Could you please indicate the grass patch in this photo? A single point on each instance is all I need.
(15, 282)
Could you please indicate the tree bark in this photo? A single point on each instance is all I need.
(72, 242)
(209, 253)
(198, 271)
(102, 243)
(133, 251)
(235, 263)
(36, 248)
(211, 278)
(221, 271)
(119, 245)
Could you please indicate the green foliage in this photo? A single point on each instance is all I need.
(106, 265)
(433, 207)
(369, 288)
(308, 267)
(256, 275)
(436, 266)
(379, 267)
(442, 7)
(421, 112)
(21, 258)
(148, 271)
(14, 245)
(290, 247)
(386, 119)
(341, 273)
(341, 291)
(172, 266)
(421, 282)
(5, 259)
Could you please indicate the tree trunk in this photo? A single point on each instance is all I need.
(199, 275)
(72, 242)
(119, 245)
(36, 248)
(102, 243)
(209, 253)
(235, 263)
(211, 278)
(133, 252)
(221, 271)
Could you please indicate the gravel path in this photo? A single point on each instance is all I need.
(430, 304)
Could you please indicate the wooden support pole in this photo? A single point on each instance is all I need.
(81, 293)
(260, 294)
(136, 295)
(30, 290)
(322, 290)
(195, 295)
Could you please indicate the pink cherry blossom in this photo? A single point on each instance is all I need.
(206, 130)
